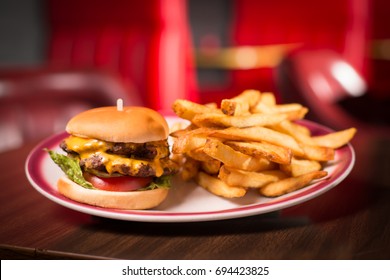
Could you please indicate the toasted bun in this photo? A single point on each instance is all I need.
(134, 200)
(132, 124)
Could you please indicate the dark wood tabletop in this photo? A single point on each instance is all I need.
(351, 221)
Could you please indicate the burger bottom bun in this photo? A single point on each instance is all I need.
(133, 200)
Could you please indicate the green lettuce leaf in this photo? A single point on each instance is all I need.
(71, 168)
(163, 182)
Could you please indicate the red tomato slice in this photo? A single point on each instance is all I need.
(117, 184)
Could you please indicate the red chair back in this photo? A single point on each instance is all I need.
(146, 42)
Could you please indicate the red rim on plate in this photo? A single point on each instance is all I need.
(43, 174)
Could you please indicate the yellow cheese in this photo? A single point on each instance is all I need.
(86, 148)
(81, 145)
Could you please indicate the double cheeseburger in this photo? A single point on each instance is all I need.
(116, 158)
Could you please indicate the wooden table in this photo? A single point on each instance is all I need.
(350, 221)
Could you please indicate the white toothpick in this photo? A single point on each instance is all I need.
(119, 104)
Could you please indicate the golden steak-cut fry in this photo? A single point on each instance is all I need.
(251, 142)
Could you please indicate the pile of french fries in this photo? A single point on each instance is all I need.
(251, 142)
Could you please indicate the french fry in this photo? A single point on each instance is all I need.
(306, 142)
(268, 99)
(200, 155)
(265, 104)
(294, 131)
(317, 153)
(249, 179)
(251, 142)
(235, 159)
(188, 142)
(335, 140)
(210, 166)
(218, 187)
(241, 104)
(190, 168)
(260, 134)
(299, 167)
(182, 131)
(301, 129)
(269, 151)
(187, 110)
(296, 114)
(215, 120)
(194, 130)
(263, 107)
(291, 184)
(211, 105)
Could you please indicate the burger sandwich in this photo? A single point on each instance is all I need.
(116, 157)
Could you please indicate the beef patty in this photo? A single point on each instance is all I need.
(127, 166)
(149, 150)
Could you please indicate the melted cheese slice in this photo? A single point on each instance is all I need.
(87, 148)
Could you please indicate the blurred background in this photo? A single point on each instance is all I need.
(58, 57)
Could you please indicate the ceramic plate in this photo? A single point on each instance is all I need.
(187, 202)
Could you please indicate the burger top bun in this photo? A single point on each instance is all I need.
(134, 200)
(132, 124)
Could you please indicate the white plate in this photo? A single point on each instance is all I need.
(186, 202)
